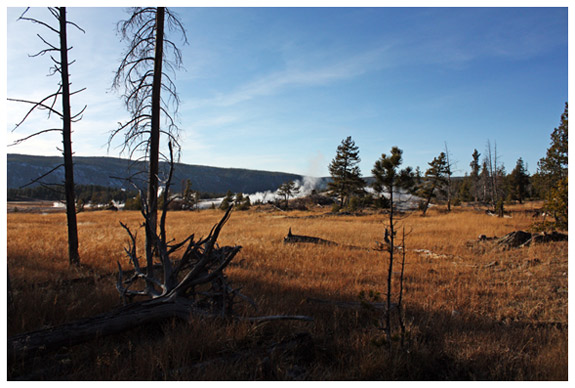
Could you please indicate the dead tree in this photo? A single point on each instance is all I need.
(206, 259)
(48, 103)
(448, 173)
(496, 173)
(150, 96)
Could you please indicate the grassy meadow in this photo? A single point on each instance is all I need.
(473, 311)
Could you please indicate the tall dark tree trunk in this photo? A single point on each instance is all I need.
(390, 269)
(73, 254)
(448, 178)
(155, 141)
(428, 199)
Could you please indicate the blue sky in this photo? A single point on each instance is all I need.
(279, 88)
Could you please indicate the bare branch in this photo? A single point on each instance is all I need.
(36, 105)
(38, 22)
(42, 52)
(42, 176)
(34, 134)
(75, 25)
(75, 118)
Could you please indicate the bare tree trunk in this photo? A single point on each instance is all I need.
(492, 160)
(428, 199)
(152, 220)
(390, 269)
(73, 254)
(400, 300)
(448, 178)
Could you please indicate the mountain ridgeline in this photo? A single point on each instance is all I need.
(113, 172)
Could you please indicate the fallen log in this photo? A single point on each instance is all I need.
(113, 322)
(549, 237)
(83, 330)
(515, 239)
(295, 238)
(520, 239)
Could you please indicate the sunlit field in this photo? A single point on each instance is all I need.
(474, 311)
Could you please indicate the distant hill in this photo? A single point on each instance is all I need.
(105, 171)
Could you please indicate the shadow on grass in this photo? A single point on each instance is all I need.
(342, 343)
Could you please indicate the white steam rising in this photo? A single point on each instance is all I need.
(305, 187)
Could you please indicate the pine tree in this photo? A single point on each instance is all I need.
(552, 171)
(287, 190)
(475, 167)
(388, 178)
(245, 204)
(435, 179)
(239, 199)
(227, 201)
(189, 197)
(345, 172)
(464, 192)
(484, 182)
(518, 182)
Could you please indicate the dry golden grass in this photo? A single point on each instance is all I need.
(474, 311)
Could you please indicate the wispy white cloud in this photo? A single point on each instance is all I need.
(303, 76)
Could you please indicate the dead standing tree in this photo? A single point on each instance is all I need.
(142, 75)
(448, 173)
(61, 66)
(206, 259)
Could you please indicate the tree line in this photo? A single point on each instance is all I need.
(487, 182)
(94, 194)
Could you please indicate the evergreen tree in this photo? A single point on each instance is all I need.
(227, 201)
(518, 182)
(464, 192)
(435, 179)
(484, 182)
(287, 190)
(475, 167)
(388, 178)
(418, 177)
(345, 172)
(244, 204)
(189, 197)
(238, 199)
(551, 179)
